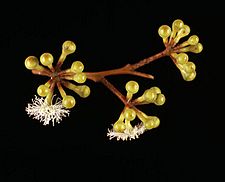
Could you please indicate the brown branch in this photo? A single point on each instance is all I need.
(150, 59)
(113, 89)
(128, 69)
(144, 75)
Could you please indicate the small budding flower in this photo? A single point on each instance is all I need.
(123, 128)
(164, 32)
(132, 87)
(178, 52)
(42, 108)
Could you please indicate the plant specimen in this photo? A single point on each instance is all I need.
(48, 110)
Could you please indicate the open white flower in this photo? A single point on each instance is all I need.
(128, 133)
(46, 113)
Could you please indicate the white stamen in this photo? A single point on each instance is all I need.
(128, 133)
(44, 112)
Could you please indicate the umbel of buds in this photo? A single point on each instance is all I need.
(48, 110)
(44, 109)
(122, 128)
(178, 54)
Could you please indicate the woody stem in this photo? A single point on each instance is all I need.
(127, 69)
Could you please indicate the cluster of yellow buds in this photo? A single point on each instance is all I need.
(187, 68)
(122, 128)
(44, 109)
(177, 51)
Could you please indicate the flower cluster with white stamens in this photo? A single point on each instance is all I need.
(122, 128)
